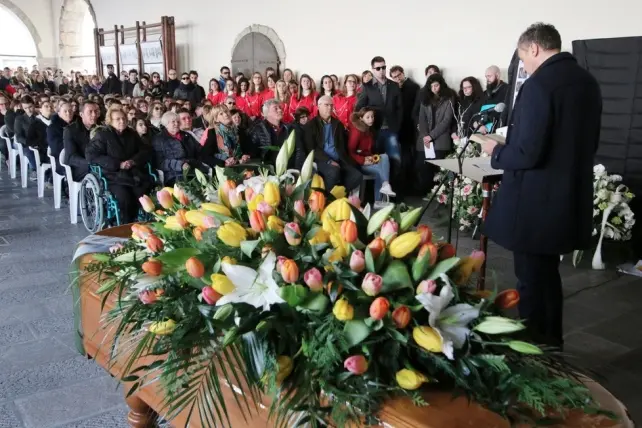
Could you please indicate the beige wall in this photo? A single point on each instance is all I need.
(337, 36)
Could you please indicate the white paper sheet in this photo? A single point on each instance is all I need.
(430, 151)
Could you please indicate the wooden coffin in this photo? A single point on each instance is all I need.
(443, 411)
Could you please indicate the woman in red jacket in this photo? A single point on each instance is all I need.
(241, 95)
(282, 94)
(327, 87)
(215, 95)
(288, 76)
(254, 97)
(305, 97)
(344, 103)
(361, 149)
(269, 93)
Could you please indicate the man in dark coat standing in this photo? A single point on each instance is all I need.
(544, 206)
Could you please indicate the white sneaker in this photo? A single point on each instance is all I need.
(33, 176)
(387, 190)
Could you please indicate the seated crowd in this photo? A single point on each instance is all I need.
(356, 126)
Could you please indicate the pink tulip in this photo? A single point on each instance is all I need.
(356, 364)
(279, 263)
(357, 261)
(147, 297)
(210, 222)
(299, 208)
(116, 247)
(389, 230)
(249, 194)
(265, 208)
(165, 198)
(235, 198)
(147, 203)
(372, 284)
(354, 201)
(479, 258)
(210, 296)
(292, 234)
(427, 286)
(181, 195)
(313, 279)
(289, 189)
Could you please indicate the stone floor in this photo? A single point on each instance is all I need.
(44, 383)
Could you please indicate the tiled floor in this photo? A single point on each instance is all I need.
(44, 383)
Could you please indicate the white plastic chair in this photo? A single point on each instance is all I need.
(74, 189)
(13, 153)
(24, 164)
(40, 172)
(57, 180)
(161, 176)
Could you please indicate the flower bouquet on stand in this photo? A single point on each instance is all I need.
(279, 288)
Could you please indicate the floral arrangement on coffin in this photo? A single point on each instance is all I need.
(467, 194)
(612, 216)
(284, 289)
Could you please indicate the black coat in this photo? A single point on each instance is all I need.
(128, 88)
(10, 121)
(469, 107)
(497, 95)
(545, 202)
(55, 140)
(37, 138)
(108, 149)
(112, 85)
(314, 140)
(409, 92)
(23, 122)
(170, 154)
(392, 109)
(189, 92)
(170, 86)
(63, 89)
(262, 136)
(76, 138)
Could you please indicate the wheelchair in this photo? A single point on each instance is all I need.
(98, 207)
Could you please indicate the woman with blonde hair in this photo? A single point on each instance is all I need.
(282, 95)
(305, 97)
(122, 155)
(222, 145)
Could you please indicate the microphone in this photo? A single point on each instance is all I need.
(497, 110)
(492, 112)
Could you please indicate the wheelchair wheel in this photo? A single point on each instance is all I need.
(91, 203)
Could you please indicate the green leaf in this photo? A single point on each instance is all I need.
(374, 324)
(356, 331)
(178, 256)
(370, 263)
(130, 378)
(377, 219)
(293, 294)
(398, 336)
(443, 267)
(395, 277)
(101, 257)
(524, 347)
(248, 247)
(131, 256)
(409, 218)
(254, 352)
(316, 302)
(362, 223)
(223, 312)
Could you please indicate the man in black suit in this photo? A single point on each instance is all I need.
(544, 206)
(76, 138)
(384, 96)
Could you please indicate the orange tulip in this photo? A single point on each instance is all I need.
(152, 267)
(194, 267)
(180, 195)
(198, 233)
(434, 252)
(446, 251)
(401, 316)
(376, 247)
(257, 221)
(426, 233)
(507, 299)
(290, 271)
(379, 308)
(316, 201)
(140, 232)
(181, 219)
(349, 231)
(154, 244)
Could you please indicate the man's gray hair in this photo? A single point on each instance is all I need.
(167, 117)
(544, 35)
(325, 98)
(269, 103)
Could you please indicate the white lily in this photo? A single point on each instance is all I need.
(256, 288)
(451, 323)
(146, 282)
(257, 183)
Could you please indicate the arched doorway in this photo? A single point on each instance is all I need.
(16, 26)
(256, 48)
(77, 23)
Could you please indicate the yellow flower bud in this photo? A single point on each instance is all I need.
(320, 237)
(410, 379)
(254, 203)
(317, 182)
(222, 284)
(285, 367)
(404, 244)
(342, 310)
(272, 194)
(162, 328)
(338, 192)
(232, 233)
(275, 223)
(427, 338)
(216, 208)
(229, 260)
(172, 223)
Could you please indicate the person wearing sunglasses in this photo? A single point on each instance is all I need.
(384, 97)
(172, 83)
(188, 91)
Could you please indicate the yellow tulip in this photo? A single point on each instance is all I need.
(229, 260)
(254, 203)
(285, 367)
(410, 379)
(342, 310)
(321, 237)
(196, 218)
(275, 223)
(216, 208)
(336, 212)
(162, 328)
(272, 194)
(170, 190)
(427, 338)
(317, 182)
(338, 192)
(172, 223)
(337, 255)
(232, 234)
(222, 284)
(404, 244)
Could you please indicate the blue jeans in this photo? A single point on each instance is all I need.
(28, 154)
(381, 172)
(387, 142)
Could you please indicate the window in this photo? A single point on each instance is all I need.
(22, 49)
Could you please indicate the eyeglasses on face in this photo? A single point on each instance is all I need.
(381, 67)
(395, 76)
(230, 103)
(185, 78)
